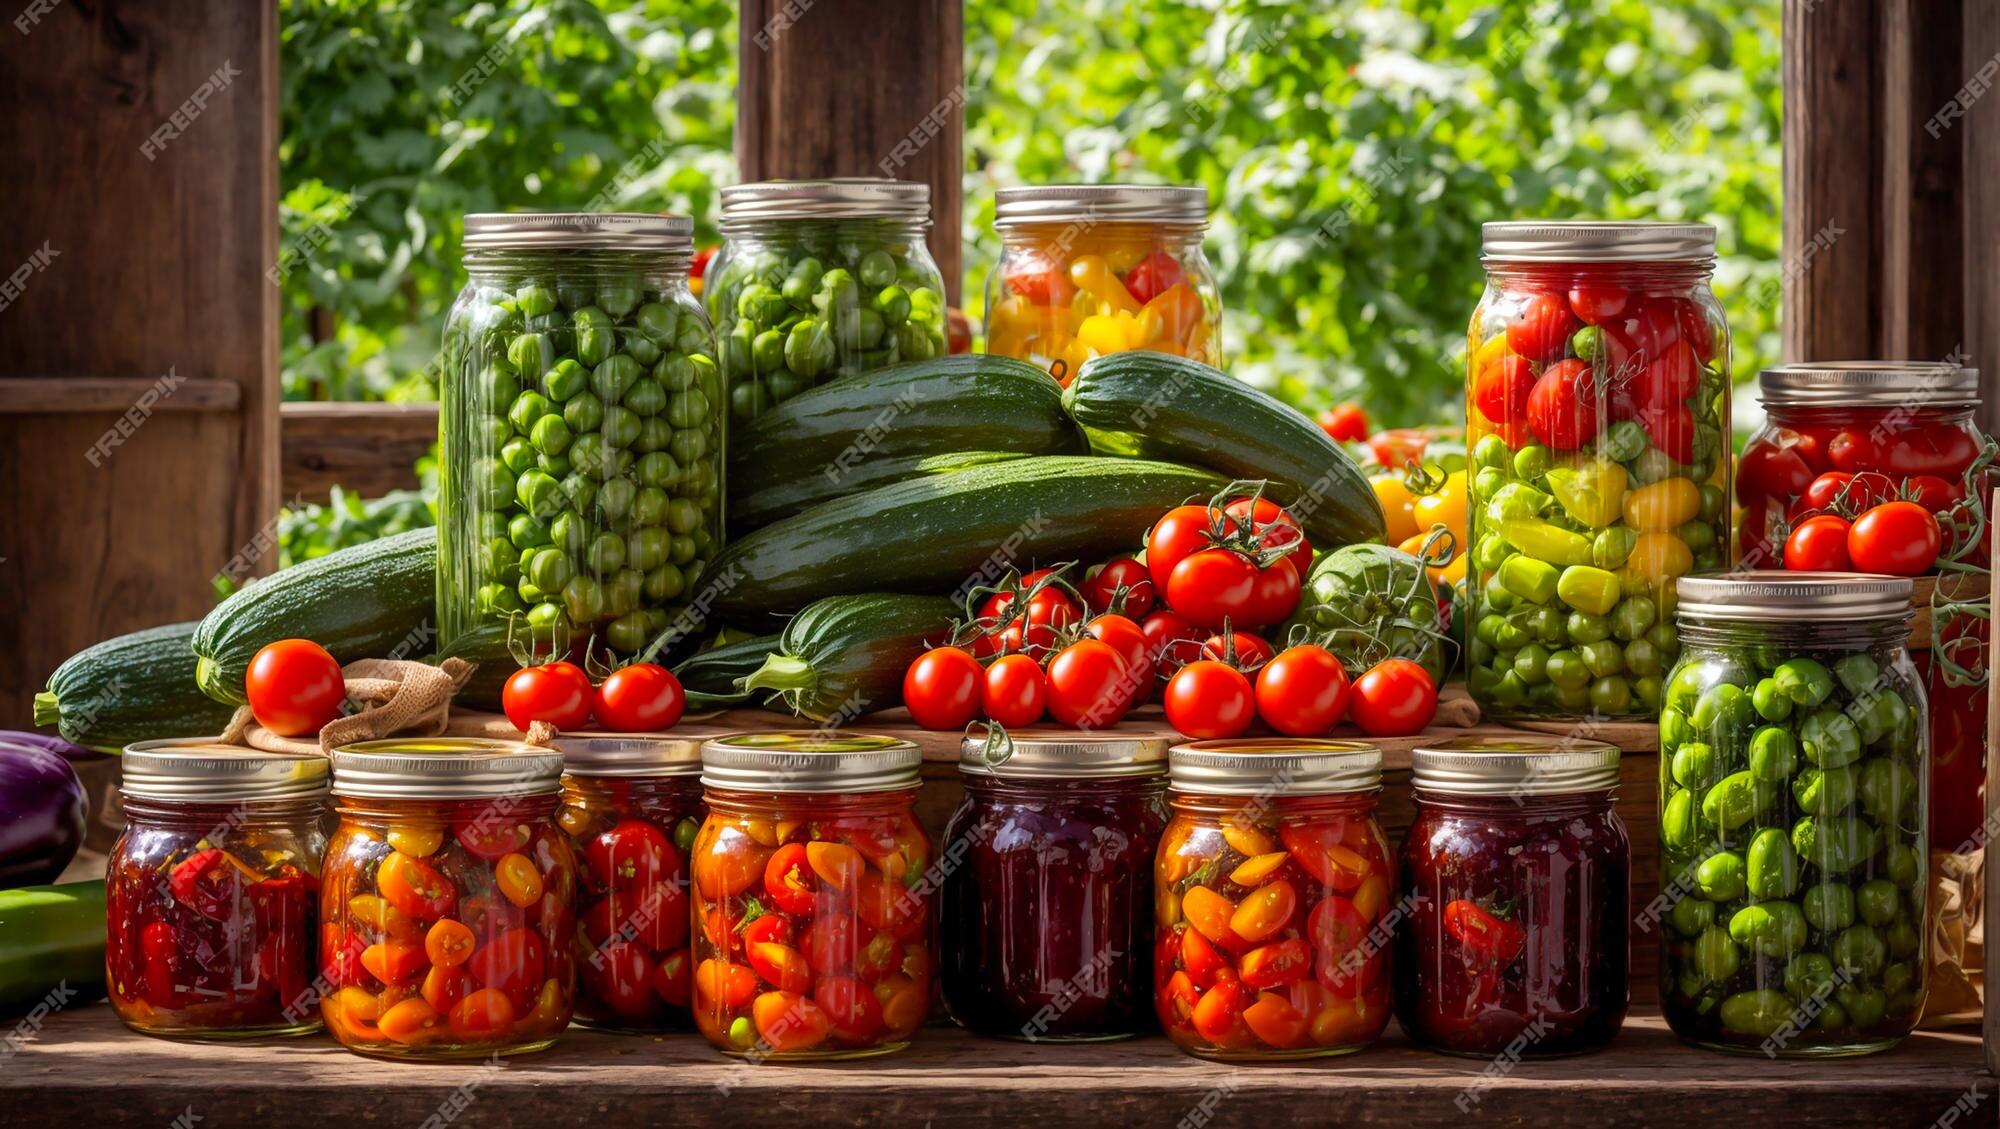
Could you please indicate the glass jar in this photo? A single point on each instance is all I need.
(212, 891)
(631, 807)
(1271, 893)
(818, 279)
(1090, 269)
(581, 440)
(1516, 893)
(1048, 914)
(449, 900)
(1597, 417)
(1792, 845)
(812, 902)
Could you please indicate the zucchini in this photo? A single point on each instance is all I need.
(135, 687)
(845, 655)
(711, 677)
(359, 603)
(51, 938)
(798, 493)
(944, 533)
(1159, 406)
(827, 442)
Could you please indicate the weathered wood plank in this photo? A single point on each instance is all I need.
(370, 449)
(1832, 270)
(21, 395)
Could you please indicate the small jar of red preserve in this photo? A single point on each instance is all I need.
(631, 807)
(1047, 915)
(1516, 888)
(213, 891)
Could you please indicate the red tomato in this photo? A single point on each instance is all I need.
(632, 854)
(1394, 449)
(1123, 585)
(622, 977)
(1850, 493)
(673, 978)
(558, 693)
(511, 963)
(1209, 699)
(1772, 471)
(774, 928)
(1501, 390)
(1393, 698)
(1014, 691)
(1218, 1015)
(660, 912)
(1632, 341)
(1240, 649)
(1897, 538)
(1302, 692)
(1697, 330)
(1853, 450)
(1933, 493)
(1819, 544)
(1153, 276)
(1180, 533)
(789, 881)
(698, 267)
(1488, 939)
(957, 331)
(640, 698)
(850, 1006)
(294, 687)
(1276, 964)
(781, 966)
(1040, 281)
(1941, 449)
(482, 1015)
(1541, 331)
(1129, 640)
(1344, 423)
(1563, 408)
(1050, 609)
(1597, 304)
(1275, 528)
(491, 841)
(942, 688)
(1218, 585)
(1671, 428)
(1337, 930)
(414, 887)
(1089, 687)
(1670, 378)
(1171, 642)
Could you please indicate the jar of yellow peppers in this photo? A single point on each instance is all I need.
(1087, 270)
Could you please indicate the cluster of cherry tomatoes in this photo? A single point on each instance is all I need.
(637, 698)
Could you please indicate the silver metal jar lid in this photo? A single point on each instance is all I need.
(1777, 596)
(852, 198)
(199, 770)
(1841, 384)
(576, 231)
(630, 756)
(816, 761)
(1080, 756)
(1596, 241)
(1515, 766)
(1275, 766)
(1070, 203)
(445, 768)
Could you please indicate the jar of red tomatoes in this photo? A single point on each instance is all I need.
(1091, 269)
(1271, 894)
(212, 891)
(811, 904)
(1516, 886)
(1048, 913)
(1597, 419)
(448, 900)
(631, 807)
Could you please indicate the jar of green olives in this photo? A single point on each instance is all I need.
(1793, 767)
(818, 279)
(581, 440)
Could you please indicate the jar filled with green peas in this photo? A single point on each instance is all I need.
(818, 279)
(581, 439)
(1793, 767)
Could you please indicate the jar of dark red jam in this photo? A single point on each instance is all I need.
(1515, 894)
(1047, 913)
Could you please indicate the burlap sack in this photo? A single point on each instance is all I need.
(397, 698)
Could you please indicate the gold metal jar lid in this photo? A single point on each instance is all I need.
(1596, 241)
(1070, 757)
(829, 761)
(578, 231)
(445, 768)
(1275, 766)
(200, 770)
(630, 756)
(1515, 766)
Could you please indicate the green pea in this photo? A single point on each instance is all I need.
(614, 499)
(1859, 949)
(1716, 956)
(1663, 636)
(516, 455)
(1760, 1012)
(1531, 664)
(1770, 703)
(534, 301)
(1877, 901)
(1603, 658)
(657, 321)
(618, 298)
(1835, 845)
(664, 583)
(877, 269)
(1809, 973)
(837, 293)
(1510, 691)
(1642, 657)
(646, 397)
(1693, 765)
(1901, 863)
(1772, 864)
(1677, 823)
(1585, 628)
(1720, 877)
(526, 533)
(1496, 597)
(1546, 625)
(1674, 729)
(1647, 688)
(657, 468)
(1857, 672)
(1532, 462)
(583, 599)
(1865, 1007)
(623, 593)
(654, 435)
(613, 376)
(606, 554)
(1769, 929)
(627, 633)
(538, 493)
(564, 379)
(1804, 681)
(1611, 695)
(549, 569)
(1632, 617)
(1880, 713)
(687, 409)
(550, 435)
(683, 516)
(1723, 705)
(1826, 792)
(688, 445)
(621, 427)
(1610, 548)
(1493, 453)
(528, 407)
(1733, 801)
(583, 413)
(569, 532)
(1691, 916)
(530, 354)
(646, 549)
(809, 349)
(1829, 906)
(1901, 937)
(1566, 670)
(496, 387)
(1773, 754)
(1829, 738)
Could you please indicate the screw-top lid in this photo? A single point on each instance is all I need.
(1515, 766)
(1072, 757)
(1842, 384)
(824, 761)
(573, 231)
(630, 756)
(205, 770)
(1596, 241)
(1275, 766)
(855, 197)
(445, 768)
(1777, 596)
(1107, 203)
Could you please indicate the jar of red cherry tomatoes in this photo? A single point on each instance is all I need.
(1271, 894)
(212, 891)
(631, 807)
(1597, 421)
(448, 898)
(1516, 887)
(812, 901)
(1048, 913)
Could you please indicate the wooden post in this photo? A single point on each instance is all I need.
(858, 88)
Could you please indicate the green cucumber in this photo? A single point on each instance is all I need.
(798, 493)
(51, 946)
(1159, 406)
(943, 534)
(713, 677)
(136, 687)
(845, 655)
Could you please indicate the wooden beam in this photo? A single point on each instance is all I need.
(367, 448)
(1980, 177)
(1831, 133)
(1923, 247)
(22, 395)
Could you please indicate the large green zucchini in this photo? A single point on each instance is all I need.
(845, 655)
(136, 687)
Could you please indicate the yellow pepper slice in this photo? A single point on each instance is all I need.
(1664, 505)
(1092, 274)
(1592, 493)
(1656, 558)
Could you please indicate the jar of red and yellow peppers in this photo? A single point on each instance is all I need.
(1271, 891)
(448, 900)
(213, 891)
(1087, 270)
(811, 903)
(1597, 417)
(631, 807)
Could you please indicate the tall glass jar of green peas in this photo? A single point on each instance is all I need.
(1597, 410)
(1793, 768)
(581, 439)
(818, 279)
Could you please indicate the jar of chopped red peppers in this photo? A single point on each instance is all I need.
(1049, 905)
(448, 899)
(1516, 889)
(212, 895)
(811, 904)
(1271, 894)
(631, 807)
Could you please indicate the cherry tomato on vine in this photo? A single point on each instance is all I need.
(1897, 538)
(1819, 544)
(942, 688)
(1933, 493)
(1275, 528)
(1541, 331)
(294, 687)
(1014, 691)
(558, 693)
(1563, 407)
(1180, 532)
(1036, 630)
(1217, 585)
(639, 698)
(1089, 687)
(1852, 492)
(1209, 699)
(1303, 691)
(1240, 649)
(1393, 698)
(1343, 423)
(1126, 637)
(1171, 642)
(1123, 585)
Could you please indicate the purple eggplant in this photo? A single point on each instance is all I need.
(41, 813)
(69, 750)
